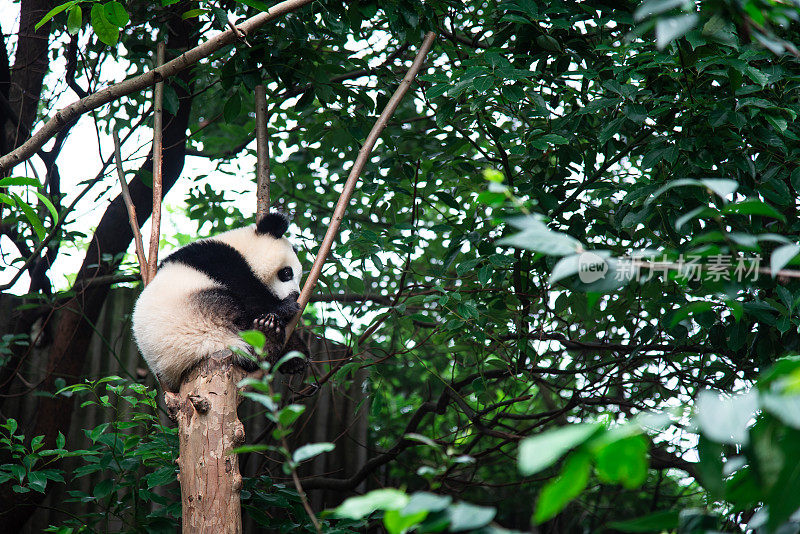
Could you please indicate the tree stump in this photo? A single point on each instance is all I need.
(208, 429)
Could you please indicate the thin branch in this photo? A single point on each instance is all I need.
(352, 179)
(126, 196)
(262, 151)
(298, 486)
(158, 149)
(137, 83)
(62, 214)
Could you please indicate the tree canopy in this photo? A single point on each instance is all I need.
(568, 272)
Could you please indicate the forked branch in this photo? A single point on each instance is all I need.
(134, 222)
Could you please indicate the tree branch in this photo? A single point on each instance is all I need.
(137, 83)
(352, 178)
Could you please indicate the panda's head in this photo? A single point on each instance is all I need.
(275, 261)
(269, 254)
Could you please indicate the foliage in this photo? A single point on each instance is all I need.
(570, 268)
(133, 452)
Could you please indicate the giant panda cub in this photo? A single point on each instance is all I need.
(206, 292)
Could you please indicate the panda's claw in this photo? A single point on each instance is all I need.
(269, 324)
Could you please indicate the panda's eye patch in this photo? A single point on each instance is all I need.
(285, 274)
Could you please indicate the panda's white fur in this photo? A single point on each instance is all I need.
(199, 301)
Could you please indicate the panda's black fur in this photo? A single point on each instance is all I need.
(206, 292)
(243, 296)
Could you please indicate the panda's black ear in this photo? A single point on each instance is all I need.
(274, 224)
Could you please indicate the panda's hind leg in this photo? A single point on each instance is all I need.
(218, 320)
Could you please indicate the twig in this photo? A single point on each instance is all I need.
(155, 219)
(352, 179)
(126, 196)
(239, 35)
(299, 487)
(137, 83)
(262, 151)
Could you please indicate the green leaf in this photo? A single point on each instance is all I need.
(49, 205)
(265, 400)
(310, 450)
(725, 419)
(756, 75)
(116, 14)
(53, 12)
(255, 3)
(37, 481)
(538, 237)
(693, 308)
(397, 523)
(107, 33)
(103, 489)
(356, 284)
(557, 493)
(566, 266)
(493, 175)
(192, 13)
(381, 499)
(74, 20)
(252, 448)
(254, 338)
(428, 502)
(623, 461)
(781, 257)
(60, 440)
(669, 29)
(542, 450)
(655, 522)
(289, 414)
(721, 186)
(483, 83)
(232, 108)
(437, 90)
(648, 8)
(32, 217)
(754, 206)
(700, 211)
(464, 516)
(18, 180)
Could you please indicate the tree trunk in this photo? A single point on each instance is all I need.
(74, 329)
(208, 429)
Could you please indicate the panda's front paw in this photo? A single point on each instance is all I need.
(269, 325)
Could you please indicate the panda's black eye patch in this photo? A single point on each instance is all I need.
(285, 274)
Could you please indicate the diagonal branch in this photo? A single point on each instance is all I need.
(126, 196)
(352, 178)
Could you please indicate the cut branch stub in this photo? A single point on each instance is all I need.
(208, 429)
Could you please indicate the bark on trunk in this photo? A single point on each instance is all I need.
(208, 429)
